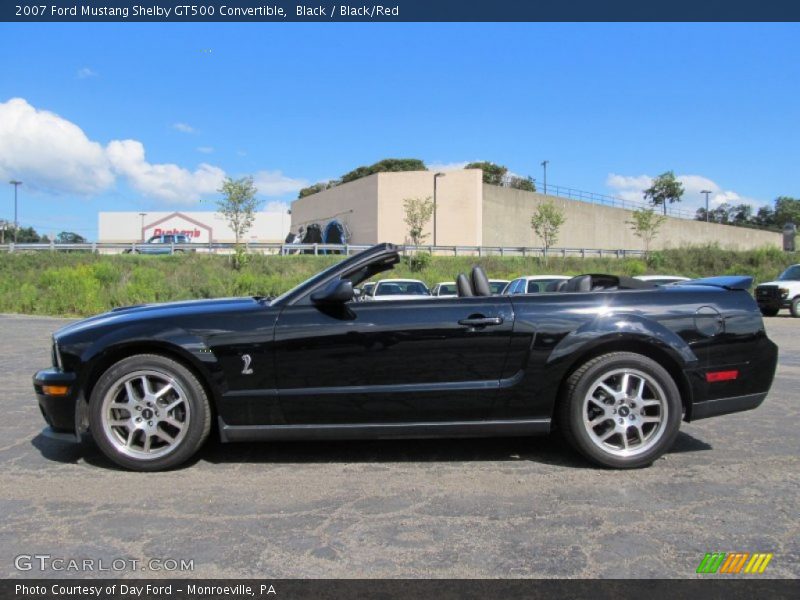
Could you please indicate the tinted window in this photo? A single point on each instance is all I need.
(401, 288)
(496, 286)
(539, 286)
(447, 289)
(515, 286)
(791, 274)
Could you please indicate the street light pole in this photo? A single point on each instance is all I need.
(435, 179)
(16, 184)
(706, 192)
(143, 215)
(544, 165)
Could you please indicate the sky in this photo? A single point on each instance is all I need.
(151, 117)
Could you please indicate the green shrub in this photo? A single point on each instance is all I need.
(80, 284)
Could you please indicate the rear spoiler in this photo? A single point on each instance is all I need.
(728, 282)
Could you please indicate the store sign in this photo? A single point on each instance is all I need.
(179, 223)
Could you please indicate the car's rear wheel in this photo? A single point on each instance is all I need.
(795, 308)
(769, 312)
(149, 413)
(621, 410)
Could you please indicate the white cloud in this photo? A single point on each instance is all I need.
(85, 73)
(275, 183)
(277, 206)
(451, 166)
(164, 181)
(183, 128)
(205, 149)
(631, 188)
(50, 153)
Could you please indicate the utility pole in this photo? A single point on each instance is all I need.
(544, 166)
(16, 184)
(435, 179)
(706, 192)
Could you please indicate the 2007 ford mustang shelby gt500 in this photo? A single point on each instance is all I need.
(615, 363)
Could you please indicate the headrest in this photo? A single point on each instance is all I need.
(480, 282)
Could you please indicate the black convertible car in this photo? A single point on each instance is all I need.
(614, 363)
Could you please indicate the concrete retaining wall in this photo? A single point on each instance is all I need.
(507, 222)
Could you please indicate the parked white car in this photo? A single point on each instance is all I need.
(398, 289)
(532, 284)
(661, 279)
(784, 292)
(445, 289)
(497, 286)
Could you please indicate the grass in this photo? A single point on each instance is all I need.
(81, 284)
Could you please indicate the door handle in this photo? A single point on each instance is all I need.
(481, 321)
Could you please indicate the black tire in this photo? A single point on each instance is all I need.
(795, 308)
(570, 411)
(194, 407)
(769, 312)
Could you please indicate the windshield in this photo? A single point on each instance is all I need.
(791, 274)
(401, 288)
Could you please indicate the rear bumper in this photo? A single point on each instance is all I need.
(58, 411)
(724, 406)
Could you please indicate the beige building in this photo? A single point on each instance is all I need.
(201, 227)
(471, 213)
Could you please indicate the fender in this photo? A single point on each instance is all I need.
(618, 327)
(138, 337)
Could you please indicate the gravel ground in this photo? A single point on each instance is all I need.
(512, 507)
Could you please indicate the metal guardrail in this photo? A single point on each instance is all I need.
(318, 249)
(603, 199)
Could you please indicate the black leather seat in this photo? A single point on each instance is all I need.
(480, 282)
(463, 286)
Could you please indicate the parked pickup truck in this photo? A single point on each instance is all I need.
(784, 292)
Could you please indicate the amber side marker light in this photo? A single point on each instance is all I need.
(715, 376)
(55, 390)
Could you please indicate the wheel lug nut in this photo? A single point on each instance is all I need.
(138, 419)
(150, 423)
(621, 420)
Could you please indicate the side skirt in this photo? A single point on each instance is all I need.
(382, 431)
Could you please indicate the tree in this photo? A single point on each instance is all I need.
(493, 174)
(522, 183)
(387, 165)
(546, 223)
(665, 188)
(418, 213)
(787, 210)
(68, 237)
(238, 207)
(645, 224)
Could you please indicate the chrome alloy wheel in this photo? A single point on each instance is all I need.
(625, 412)
(145, 414)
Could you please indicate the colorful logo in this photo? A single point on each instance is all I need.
(734, 562)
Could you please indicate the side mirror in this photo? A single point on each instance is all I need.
(337, 291)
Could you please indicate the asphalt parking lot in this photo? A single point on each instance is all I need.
(441, 508)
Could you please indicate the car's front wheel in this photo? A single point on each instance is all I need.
(621, 410)
(149, 413)
(795, 308)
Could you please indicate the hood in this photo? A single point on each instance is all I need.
(127, 314)
(784, 284)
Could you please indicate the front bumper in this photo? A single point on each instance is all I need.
(59, 411)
